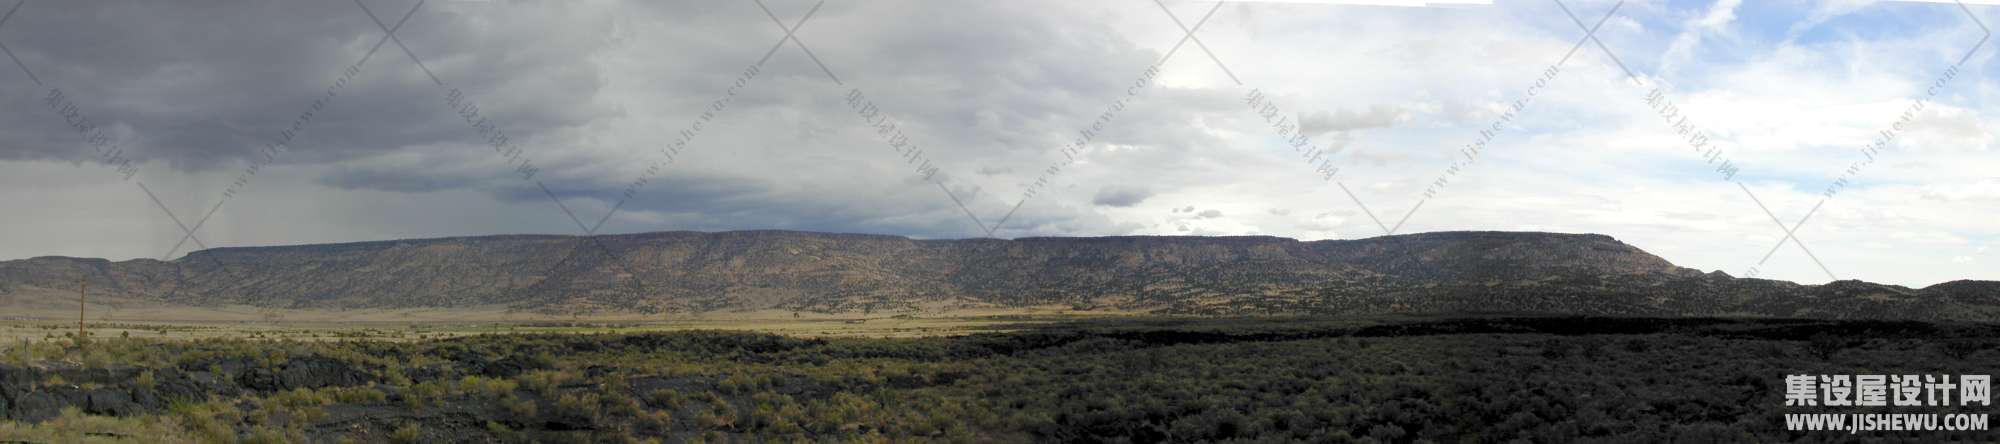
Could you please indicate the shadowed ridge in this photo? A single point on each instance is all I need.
(687, 271)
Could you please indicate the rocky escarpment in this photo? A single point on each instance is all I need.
(691, 271)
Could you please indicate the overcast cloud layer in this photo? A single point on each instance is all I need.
(591, 93)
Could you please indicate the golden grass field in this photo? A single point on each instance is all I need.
(113, 318)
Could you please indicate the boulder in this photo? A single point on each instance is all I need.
(313, 372)
(109, 402)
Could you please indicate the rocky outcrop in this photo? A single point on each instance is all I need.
(32, 394)
(40, 392)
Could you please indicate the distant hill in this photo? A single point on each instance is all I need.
(1511, 272)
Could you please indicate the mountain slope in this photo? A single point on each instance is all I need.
(691, 271)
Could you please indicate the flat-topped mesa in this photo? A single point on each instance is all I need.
(684, 271)
(1480, 253)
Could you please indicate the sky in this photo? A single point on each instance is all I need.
(130, 124)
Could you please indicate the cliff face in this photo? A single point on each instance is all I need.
(688, 271)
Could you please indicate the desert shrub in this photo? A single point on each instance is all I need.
(1824, 346)
(739, 383)
(499, 430)
(410, 433)
(1960, 348)
(71, 425)
(709, 420)
(776, 413)
(1590, 348)
(211, 421)
(358, 395)
(616, 402)
(667, 398)
(270, 435)
(544, 382)
(487, 388)
(300, 397)
(580, 405)
(21, 354)
(1551, 349)
(1142, 383)
(424, 394)
(97, 357)
(654, 420)
(312, 414)
(145, 380)
(519, 407)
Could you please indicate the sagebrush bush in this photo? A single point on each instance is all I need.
(1134, 383)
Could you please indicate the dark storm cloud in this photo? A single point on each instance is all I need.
(204, 84)
(593, 91)
(1121, 196)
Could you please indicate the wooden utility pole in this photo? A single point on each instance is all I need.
(82, 290)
